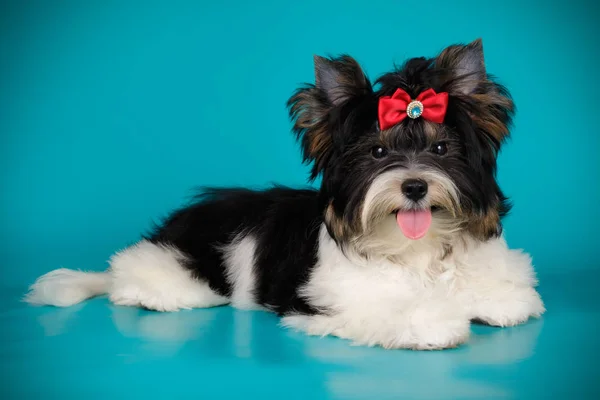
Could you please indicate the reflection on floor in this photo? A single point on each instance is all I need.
(98, 350)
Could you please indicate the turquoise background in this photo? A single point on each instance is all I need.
(111, 112)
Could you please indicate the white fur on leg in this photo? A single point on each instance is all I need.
(430, 326)
(498, 285)
(152, 276)
(239, 266)
(65, 287)
(509, 307)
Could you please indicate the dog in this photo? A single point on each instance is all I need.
(401, 246)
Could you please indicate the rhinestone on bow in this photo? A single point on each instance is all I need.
(414, 109)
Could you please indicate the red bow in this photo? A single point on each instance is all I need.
(393, 109)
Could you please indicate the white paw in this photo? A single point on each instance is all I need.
(423, 329)
(435, 335)
(313, 325)
(513, 308)
(136, 296)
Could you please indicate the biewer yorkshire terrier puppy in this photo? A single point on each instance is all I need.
(401, 247)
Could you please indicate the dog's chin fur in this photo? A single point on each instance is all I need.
(380, 237)
(335, 261)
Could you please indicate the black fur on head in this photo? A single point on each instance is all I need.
(336, 123)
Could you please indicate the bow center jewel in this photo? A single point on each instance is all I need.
(414, 109)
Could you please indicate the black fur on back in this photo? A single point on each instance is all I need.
(285, 223)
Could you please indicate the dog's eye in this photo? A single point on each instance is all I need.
(378, 152)
(439, 148)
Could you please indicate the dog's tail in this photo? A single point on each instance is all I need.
(65, 287)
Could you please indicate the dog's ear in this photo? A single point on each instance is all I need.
(340, 78)
(463, 67)
(337, 80)
(463, 74)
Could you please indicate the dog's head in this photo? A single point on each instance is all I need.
(395, 169)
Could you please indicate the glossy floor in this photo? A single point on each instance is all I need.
(99, 351)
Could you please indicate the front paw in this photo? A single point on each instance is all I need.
(510, 309)
(423, 329)
(433, 325)
(434, 334)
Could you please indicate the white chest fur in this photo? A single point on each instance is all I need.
(419, 300)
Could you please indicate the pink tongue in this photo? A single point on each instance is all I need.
(414, 224)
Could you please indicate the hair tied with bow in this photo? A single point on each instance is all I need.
(394, 109)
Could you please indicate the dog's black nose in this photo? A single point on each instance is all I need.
(414, 189)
